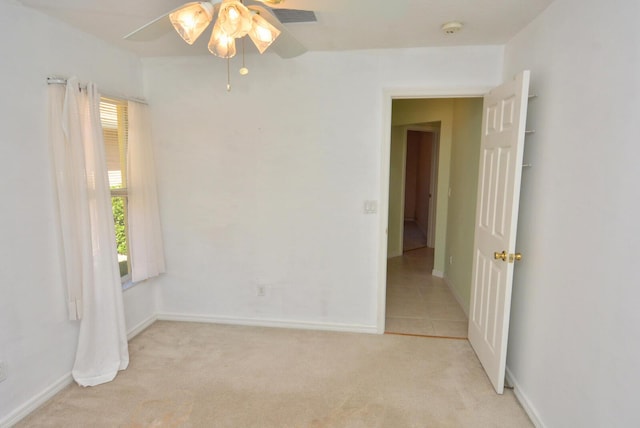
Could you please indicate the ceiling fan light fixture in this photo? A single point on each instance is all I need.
(221, 44)
(234, 18)
(262, 33)
(191, 20)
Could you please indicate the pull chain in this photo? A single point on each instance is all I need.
(228, 75)
(244, 70)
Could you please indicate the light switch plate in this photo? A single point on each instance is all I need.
(370, 207)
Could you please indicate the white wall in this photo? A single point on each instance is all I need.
(265, 185)
(573, 345)
(37, 342)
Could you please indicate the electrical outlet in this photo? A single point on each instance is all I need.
(3, 371)
(450, 260)
(261, 291)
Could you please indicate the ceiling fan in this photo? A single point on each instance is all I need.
(233, 19)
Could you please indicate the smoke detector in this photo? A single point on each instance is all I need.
(451, 27)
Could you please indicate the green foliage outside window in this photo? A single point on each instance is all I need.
(118, 217)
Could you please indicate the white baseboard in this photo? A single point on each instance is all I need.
(301, 325)
(524, 400)
(37, 401)
(437, 273)
(141, 327)
(455, 293)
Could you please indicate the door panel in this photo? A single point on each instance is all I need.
(502, 147)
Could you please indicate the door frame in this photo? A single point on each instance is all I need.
(388, 96)
(433, 190)
(433, 176)
(433, 179)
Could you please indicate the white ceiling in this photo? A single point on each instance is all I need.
(342, 24)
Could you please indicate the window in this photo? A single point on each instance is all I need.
(114, 118)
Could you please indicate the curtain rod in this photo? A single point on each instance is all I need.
(63, 81)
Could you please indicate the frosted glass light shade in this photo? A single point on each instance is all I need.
(262, 33)
(234, 18)
(191, 20)
(221, 44)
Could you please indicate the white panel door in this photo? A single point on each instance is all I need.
(502, 146)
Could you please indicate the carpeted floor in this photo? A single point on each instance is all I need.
(207, 375)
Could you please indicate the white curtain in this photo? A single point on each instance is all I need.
(87, 230)
(146, 248)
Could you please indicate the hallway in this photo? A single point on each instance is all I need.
(419, 303)
(413, 238)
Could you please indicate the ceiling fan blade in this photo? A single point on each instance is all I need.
(154, 29)
(286, 45)
(315, 5)
(151, 30)
(271, 2)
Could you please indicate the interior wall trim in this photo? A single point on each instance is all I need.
(526, 404)
(258, 322)
(57, 386)
(142, 326)
(457, 296)
(23, 411)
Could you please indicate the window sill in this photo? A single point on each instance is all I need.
(127, 284)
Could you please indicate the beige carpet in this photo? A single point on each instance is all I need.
(206, 375)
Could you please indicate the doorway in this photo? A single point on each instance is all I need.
(500, 130)
(419, 303)
(420, 161)
(420, 291)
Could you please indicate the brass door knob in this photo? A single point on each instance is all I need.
(502, 255)
(517, 257)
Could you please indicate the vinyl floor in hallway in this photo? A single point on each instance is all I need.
(413, 238)
(418, 302)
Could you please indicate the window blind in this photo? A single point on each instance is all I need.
(115, 124)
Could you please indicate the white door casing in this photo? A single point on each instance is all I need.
(501, 154)
(433, 188)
